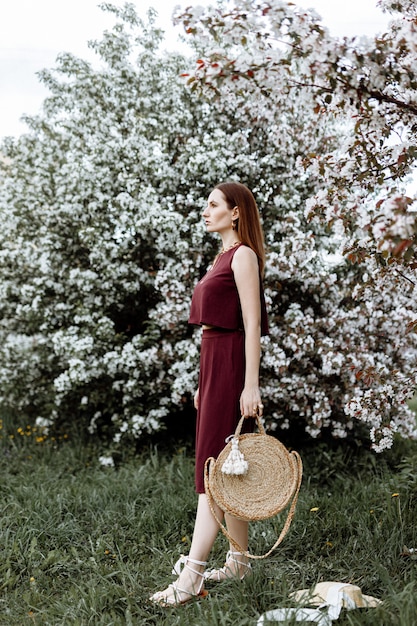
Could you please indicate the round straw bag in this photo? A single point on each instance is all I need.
(272, 478)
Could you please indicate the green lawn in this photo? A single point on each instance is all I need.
(84, 544)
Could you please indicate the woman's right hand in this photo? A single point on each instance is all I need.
(196, 398)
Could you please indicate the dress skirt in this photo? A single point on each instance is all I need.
(221, 380)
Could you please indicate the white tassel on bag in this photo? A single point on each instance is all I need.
(235, 464)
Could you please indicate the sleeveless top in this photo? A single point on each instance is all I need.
(216, 301)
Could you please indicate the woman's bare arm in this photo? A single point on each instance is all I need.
(246, 272)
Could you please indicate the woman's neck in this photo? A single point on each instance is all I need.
(229, 242)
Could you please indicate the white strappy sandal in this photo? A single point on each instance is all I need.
(173, 595)
(226, 572)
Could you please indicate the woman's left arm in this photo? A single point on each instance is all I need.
(246, 272)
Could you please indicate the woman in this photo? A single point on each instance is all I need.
(229, 304)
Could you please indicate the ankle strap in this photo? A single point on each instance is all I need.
(187, 558)
(183, 560)
(230, 554)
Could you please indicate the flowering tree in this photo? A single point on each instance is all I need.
(93, 239)
(103, 240)
(367, 86)
(367, 89)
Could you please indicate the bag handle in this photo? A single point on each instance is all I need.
(258, 423)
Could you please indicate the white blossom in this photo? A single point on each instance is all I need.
(102, 240)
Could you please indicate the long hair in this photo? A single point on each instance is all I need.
(248, 226)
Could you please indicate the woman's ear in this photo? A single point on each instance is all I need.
(235, 213)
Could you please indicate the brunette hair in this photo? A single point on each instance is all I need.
(248, 226)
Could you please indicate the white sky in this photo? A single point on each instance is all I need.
(34, 32)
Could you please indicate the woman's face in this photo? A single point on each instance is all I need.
(217, 215)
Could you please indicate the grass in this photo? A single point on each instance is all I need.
(83, 544)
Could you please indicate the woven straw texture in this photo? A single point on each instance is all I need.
(267, 487)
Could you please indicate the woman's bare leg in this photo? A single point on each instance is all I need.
(238, 530)
(237, 564)
(205, 533)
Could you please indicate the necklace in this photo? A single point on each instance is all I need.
(236, 243)
(222, 251)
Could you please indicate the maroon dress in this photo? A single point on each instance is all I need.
(216, 303)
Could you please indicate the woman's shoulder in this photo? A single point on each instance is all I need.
(244, 255)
